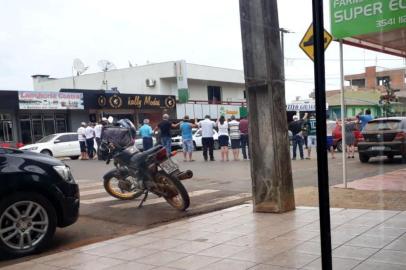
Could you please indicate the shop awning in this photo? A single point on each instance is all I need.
(392, 42)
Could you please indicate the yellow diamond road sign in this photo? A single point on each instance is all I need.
(307, 43)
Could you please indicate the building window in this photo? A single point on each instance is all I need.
(6, 128)
(214, 94)
(245, 94)
(36, 126)
(358, 82)
(381, 81)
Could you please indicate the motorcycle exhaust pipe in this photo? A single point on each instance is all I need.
(185, 175)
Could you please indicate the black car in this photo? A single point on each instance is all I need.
(37, 194)
(383, 137)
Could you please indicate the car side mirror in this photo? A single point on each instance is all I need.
(57, 141)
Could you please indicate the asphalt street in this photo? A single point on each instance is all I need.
(215, 185)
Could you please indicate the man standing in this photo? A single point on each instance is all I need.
(82, 140)
(244, 137)
(207, 136)
(297, 136)
(165, 133)
(364, 118)
(97, 133)
(311, 137)
(89, 133)
(235, 137)
(187, 137)
(146, 135)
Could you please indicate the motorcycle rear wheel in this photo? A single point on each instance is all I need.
(177, 196)
(118, 192)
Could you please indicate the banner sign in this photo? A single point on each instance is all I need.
(181, 80)
(351, 18)
(36, 100)
(302, 107)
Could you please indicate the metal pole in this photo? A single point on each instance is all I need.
(321, 132)
(343, 141)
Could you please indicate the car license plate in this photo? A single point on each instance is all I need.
(378, 148)
(169, 166)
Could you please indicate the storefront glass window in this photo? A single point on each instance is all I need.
(6, 128)
(37, 129)
(26, 135)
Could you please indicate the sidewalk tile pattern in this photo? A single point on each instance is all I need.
(238, 239)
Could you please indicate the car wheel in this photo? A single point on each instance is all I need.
(74, 157)
(216, 145)
(363, 158)
(46, 152)
(340, 146)
(27, 223)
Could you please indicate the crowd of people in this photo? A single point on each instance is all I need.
(87, 134)
(231, 132)
(304, 133)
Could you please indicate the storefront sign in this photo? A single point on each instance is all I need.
(359, 17)
(35, 100)
(125, 101)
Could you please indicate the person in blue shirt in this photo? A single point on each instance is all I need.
(187, 137)
(146, 135)
(365, 118)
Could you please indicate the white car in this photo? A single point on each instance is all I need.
(57, 145)
(138, 143)
(197, 139)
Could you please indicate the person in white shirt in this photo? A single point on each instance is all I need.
(222, 126)
(235, 136)
(89, 133)
(207, 137)
(82, 140)
(97, 133)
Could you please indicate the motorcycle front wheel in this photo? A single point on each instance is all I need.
(120, 188)
(174, 192)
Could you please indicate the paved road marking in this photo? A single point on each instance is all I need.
(110, 198)
(161, 200)
(92, 192)
(98, 184)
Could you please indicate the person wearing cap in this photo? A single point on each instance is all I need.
(82, 140)
(146, 135)
(296, 127)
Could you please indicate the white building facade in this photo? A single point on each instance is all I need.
(210, 90)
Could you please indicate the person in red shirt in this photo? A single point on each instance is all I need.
(244, 137)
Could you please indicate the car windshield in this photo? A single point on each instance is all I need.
(47, 138)
(383, 125)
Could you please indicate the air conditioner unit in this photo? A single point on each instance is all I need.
(150, 82)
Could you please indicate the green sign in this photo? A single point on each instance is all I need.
(183, 95)
(359, 17)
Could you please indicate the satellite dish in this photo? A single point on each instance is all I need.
(106, 65)
(79, 66)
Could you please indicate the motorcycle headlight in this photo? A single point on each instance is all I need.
(64, 173)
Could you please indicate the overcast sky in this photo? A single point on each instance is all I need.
(44, 36)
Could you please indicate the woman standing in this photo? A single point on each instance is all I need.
(222, 126)
(350, 138)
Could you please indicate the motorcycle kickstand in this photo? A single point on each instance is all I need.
(143, 199)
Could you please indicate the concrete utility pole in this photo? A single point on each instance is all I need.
(271, 171)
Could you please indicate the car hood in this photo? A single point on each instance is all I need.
(38, 157)
(25, 147)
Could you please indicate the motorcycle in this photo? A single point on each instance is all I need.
(139, 173)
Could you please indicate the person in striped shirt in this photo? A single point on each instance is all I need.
(235, 137)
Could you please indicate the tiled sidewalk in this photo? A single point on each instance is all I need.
(236, 238)
(393, 181)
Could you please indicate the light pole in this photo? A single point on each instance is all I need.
(283, 31)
